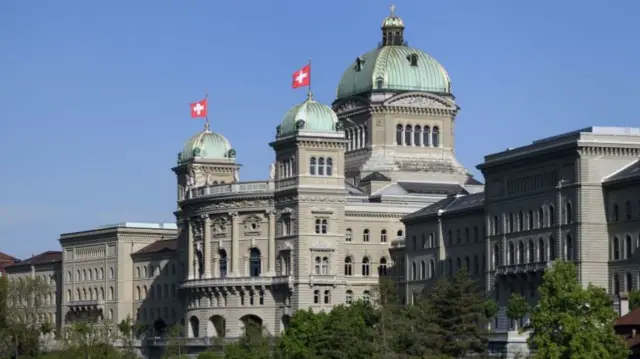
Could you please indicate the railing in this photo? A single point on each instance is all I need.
(238, 281)
(323, 279)
(523, 268)
(242, 187)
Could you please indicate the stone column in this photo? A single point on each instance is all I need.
(235, 245)
(206, 244)
(190, 257)
(362, 137)
(272, 242)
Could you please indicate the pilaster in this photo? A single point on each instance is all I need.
(206, 243)
(191, 263)
(235, 245)
(271, 215)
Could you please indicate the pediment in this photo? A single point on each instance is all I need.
(349, 104)
(421, 100)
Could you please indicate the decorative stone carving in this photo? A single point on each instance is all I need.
(339, 126)
(272, 171)
(300, 124)
(252, 224)
(232, 153)
(196, 152)
(236, 175)
(349, 105)
(417, 101)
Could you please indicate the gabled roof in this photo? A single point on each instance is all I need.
(7, 258)
(42, 258)
(630, 319)
(630, 171)
(161, 246)
(472, 181)
(375, 176)
(353, 190)
(448, 205)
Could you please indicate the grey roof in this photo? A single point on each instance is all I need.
(448, 205)
(472, 181)
(353, 190)
(376, 176)
(432, 188)
(628, 172)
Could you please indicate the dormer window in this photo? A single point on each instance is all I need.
(413, 60)
(359, 63)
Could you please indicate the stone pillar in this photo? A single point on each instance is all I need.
(362, 137)
(206, 244)
(272, 242)
(235, 245)
(191, 263)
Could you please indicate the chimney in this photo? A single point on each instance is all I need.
(624, 303)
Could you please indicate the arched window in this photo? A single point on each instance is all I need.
(467, 264)
(496, 256)
(112, 273)
(316, 296)
(349, 297)
(568, 213)
(329, 167)
(348, 234)
(426, 136)
(496, 225)
(530, 220)
(138, 293)
(521, 221)
(317, 265)
(476, 265)
(111, 293)
(531, 251)
(511, 223)
(423, 270)
(321, 166)
(399, 135)
(616, 283)
(365, 235)
(137, 272)
(552, 216)
(254, 262)
(408, 132)
(628, 282)
(552, 249)
(365, 267)
(417, 136)
(383, 236)
(512, 253)
(540, 218)
(432, 268)
(324, 226)
(324, 269)
(542, 255)
(327, 296)
(414, 270)
(435, 137)
(382, 267)
(312, 166)
(628, 249)
(400, 233)
(568, 247)
(223, 263)
(348, 266)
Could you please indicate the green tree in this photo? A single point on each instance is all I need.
(89, 339)
(572, 322)
(127, 333)
(634, 299)
(254, 344)
(517, 307)
(22, 309)
(459, 316)
(175, 343)
(300, 340)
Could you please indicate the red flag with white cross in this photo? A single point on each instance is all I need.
(302, 77)
(199, 109)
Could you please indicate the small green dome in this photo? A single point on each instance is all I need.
(309, 116)
(394, 68)
(392, 21)
(206, 145)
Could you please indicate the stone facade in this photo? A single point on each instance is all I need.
(569, 197)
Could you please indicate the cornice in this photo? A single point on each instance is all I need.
(374, 214)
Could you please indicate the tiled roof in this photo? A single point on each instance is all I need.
(42, 258)
(631, 171)
(632, 318)
(375, 176)
(353, 190)
(7, 258)
(161, 246)
(449, 205)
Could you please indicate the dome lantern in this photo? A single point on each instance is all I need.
(392, 29)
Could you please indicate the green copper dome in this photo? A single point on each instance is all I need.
(206, 145)
(309, 116)
(394, 68)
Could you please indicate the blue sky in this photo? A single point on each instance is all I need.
(94, 94)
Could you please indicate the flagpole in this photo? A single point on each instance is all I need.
(310, 94)
(206, 117)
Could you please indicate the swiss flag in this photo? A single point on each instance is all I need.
(302, 77)
(199, 109)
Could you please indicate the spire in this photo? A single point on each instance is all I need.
(392, 29)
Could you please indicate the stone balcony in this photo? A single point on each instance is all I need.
(91, 304)
(523, 268)
(230, 189)
(231, 282)
(323, 279)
